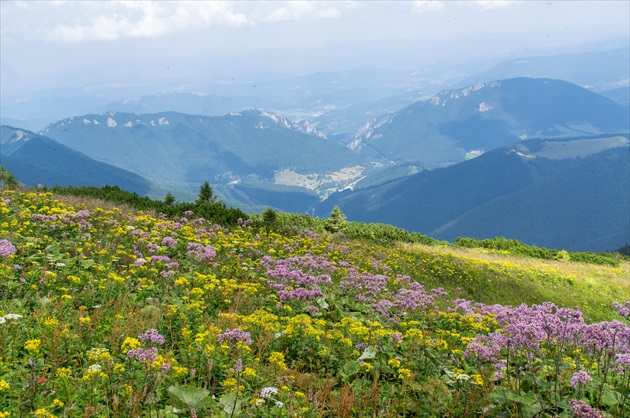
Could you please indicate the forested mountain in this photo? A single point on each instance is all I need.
(34, 159)
(560, 193)
(484, 116)
(187, 148)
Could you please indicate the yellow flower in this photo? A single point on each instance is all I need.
(85, 320)
(404, 373)
(249, 372)
(130, 343)
(32, 346)
(4, 385)
(277, 359)
(4, 414)
(58, 403)
(394, 363)
(366, 367)
(229, 383)
(63, 372)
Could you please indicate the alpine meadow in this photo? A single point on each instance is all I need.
(297, 208)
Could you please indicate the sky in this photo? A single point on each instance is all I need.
(48, 35)
(99, 49)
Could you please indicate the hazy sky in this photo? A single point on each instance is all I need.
(47, 35)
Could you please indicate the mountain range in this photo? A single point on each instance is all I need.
(484, 116)
(440, 166)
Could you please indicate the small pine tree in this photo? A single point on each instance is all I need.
(206, 195)
(169, 199)
(270, 217)
(337, 220)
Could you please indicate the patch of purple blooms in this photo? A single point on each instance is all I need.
(235, 335)
(580, 378)
(201, 252)
(622, 310)
(151, 336)
(169, 242)
(580, 409)
(299, 278)
(6, 248)
(144, 355)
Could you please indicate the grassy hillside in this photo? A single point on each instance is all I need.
(115, 312)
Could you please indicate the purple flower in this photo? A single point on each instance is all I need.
(580, 378)
(153, 336)
(268, 392)
(169, 242)
(235, 335)
(144, 355)
(580, 409)
(6, 248)
(201, 252)
(238, 366)
(623, 359)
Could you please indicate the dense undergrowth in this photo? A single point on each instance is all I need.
(105, 312)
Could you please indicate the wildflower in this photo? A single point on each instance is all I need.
(404, 374)
(277, 359)
(279, 404)
(366, 367)
(144, 355)
(394, 363)
(129, 343)
(32, 346)
(268, 392)
(58, 403)
(234, 336)
(6, 248)
(4, 385)
(580, 409)
(249, 372)
(63, 372)
(152, 335)
(580, 377)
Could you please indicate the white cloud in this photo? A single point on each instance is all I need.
(421, 6)
(139, 19)
(111, 20)
(495, 4)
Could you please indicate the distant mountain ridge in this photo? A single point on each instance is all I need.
(484, 116)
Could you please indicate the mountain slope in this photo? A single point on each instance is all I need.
(34, 159)
(570, 194)
(485, 116)
(176, 147)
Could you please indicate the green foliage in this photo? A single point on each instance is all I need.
(270, 218)
(216, 211)
(169, 199)
(7, 179)
(206, 195)
(337, 221)
(516, 247)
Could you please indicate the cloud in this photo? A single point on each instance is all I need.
(106, 21)
(495, 4)
(421, 6)
(112, 20)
